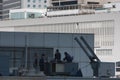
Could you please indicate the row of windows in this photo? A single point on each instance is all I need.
(104, 52)
(45, 1)
(35, 6)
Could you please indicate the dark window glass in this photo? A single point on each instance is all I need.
(34, 6)
(45, 1)
(65, 3)
(93, 2)
(34, 1)
(114, 6)
(28, 5)
(28, 0)
(118, 69)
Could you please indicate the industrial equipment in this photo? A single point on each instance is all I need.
(64, 68)
(100, 69)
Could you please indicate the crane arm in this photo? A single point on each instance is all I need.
(94, 64)
(80, 44)
(90, 49)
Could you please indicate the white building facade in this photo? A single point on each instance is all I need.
(105, 26)
(6, 5)
(35, 4)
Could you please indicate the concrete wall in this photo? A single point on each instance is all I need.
(78, 78)
(22, 78)
(54, 78)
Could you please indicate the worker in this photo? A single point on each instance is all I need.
(35, 64)
(67, 58)
(57, 56)
(42, 62)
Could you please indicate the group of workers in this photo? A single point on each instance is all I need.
(39, 63)
(67, 58)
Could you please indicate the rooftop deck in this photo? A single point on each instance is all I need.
(53, 78)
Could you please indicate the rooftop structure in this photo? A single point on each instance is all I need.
(6, 5)
(109, 7)
(70, 7)
(63, 2)
(68, 10)
(72, 10)
(97, 1)
(74, 2)
(26, 13)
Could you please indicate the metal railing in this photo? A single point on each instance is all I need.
(70, 7)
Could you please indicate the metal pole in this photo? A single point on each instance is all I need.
(89, 48)
(26, 51)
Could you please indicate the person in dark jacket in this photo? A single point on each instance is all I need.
(41, 62)
(67, 58)
(57, 56)
(36, 61)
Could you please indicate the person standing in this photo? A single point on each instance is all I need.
(36, 62)
(57, 56)
(42, 62)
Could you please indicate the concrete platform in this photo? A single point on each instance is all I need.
(52, 78)
(77, 78)
(21, 78)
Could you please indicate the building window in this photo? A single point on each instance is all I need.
(31, 15)
(28, 0)
(104, 52)
(28, 5)
(39, 6)
(118, 69)
(34, 6)
(92, 2)
(117, 64)
(45, 6)
(109, 2)
(34, 1)
(45, 1)
(114, 6)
